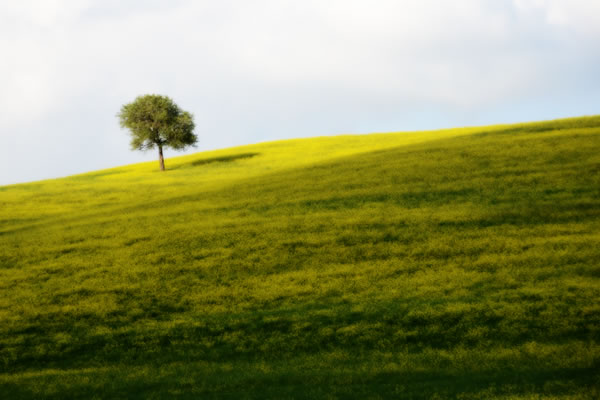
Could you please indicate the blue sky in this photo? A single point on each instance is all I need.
(253, 71)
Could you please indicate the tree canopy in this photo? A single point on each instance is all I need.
(156, 121)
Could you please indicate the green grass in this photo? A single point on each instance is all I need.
(461, 264)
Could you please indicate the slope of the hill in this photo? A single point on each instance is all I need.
(453, 264)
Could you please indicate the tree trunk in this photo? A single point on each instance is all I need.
(161, 159)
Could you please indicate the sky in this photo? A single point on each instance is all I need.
(261, 70)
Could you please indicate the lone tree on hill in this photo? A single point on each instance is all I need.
(155, 120)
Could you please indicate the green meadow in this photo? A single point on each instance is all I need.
(452, 264)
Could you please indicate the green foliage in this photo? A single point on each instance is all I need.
(155, 120)
(451, 264)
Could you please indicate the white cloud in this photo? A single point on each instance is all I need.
(582, 16)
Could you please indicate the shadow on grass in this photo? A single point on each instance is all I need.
(212, 160)
(230, 158)
(95, 175)
(244, 381)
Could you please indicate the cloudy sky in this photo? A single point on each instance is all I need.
(260, 70)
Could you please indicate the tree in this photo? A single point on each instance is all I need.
(155, 120)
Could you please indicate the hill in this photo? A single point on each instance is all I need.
(460, 263)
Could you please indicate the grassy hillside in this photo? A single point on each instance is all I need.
(451, 264)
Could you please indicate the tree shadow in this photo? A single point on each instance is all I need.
(221, 159)
(212, 160)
